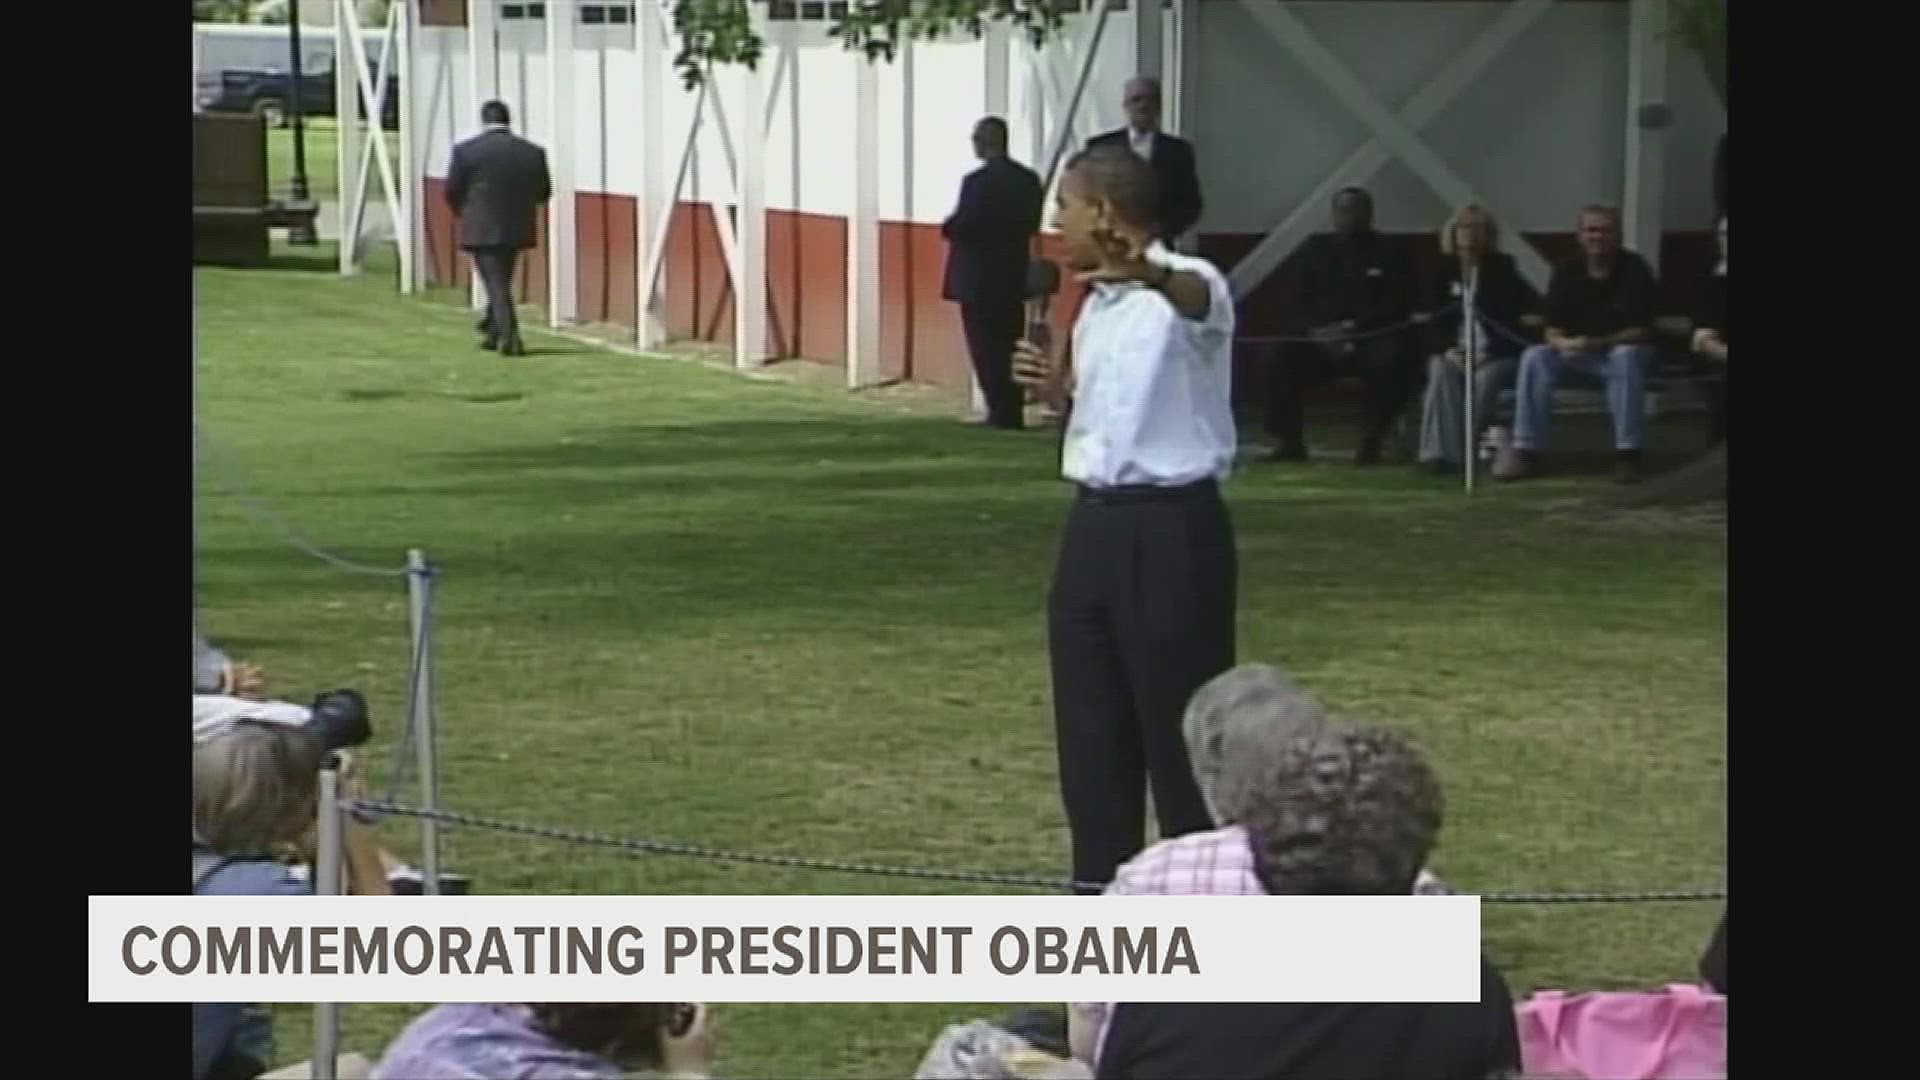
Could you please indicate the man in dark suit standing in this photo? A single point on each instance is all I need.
(1171, 157)
(987, 236)
(1356, 296)
(496, 183)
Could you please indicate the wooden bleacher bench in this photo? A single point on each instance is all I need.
(1671, 387)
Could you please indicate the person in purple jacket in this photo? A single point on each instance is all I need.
(577, 1041)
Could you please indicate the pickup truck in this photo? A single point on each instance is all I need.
(267, 93)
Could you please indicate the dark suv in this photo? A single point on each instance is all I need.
(268, 93)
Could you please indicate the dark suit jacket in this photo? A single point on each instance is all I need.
(989, 231)
(1178, 175)
(496, 183)
(1503, 296)
(1368, 279)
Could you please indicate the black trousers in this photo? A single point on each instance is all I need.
(992, 326)
(495, 267)
(1141, 613)
(1388, 367)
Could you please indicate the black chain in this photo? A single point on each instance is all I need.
(926, 873)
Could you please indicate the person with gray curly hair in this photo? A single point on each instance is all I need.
(1339, 813)
(1249, 714)
(1334, 812)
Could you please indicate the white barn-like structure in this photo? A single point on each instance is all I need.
(794, 210)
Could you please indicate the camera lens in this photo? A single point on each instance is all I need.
(340, 719)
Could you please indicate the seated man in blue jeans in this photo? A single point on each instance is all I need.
(1600, 329)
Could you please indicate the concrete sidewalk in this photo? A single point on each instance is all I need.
(375, 225)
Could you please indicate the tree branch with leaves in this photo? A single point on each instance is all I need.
(721, 31)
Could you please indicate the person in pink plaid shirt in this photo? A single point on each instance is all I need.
(1235, 715)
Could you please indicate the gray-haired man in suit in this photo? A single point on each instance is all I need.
(496, 184)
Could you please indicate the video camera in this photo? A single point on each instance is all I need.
(340, 720)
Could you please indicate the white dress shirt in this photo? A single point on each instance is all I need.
(1142, 143)
(1152, 402)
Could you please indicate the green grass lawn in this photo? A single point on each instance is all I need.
(323, 156)
(681, 603)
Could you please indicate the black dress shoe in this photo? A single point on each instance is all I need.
(489, 344)
(1626, 467)
(1284, 452)
(513, 347)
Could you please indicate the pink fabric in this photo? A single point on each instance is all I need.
(1676, 1034)
(1216, 863)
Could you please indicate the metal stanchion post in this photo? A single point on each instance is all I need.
(1470, 322)
(326, 882)
(420, 601)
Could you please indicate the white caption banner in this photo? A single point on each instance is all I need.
(783, 948)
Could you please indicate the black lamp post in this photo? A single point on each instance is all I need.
(304, 232)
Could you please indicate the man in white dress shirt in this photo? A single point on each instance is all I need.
(1141, 612)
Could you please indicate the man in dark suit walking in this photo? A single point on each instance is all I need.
(496, 183)
(988, 235)
(1171, 157)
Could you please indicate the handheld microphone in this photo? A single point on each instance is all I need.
(1043, 281)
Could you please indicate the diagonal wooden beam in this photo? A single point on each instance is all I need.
(1067, 113)
(1392, 135)
(1643, 204)
(722, 223)
(785, 50)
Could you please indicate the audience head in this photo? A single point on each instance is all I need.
(989, 138)
(1142, 102)
(1352, 211)
(1599, 229)
(633, 1035)
(255, 783)
(1106, 192)
(1250, 709)
(495, 113)
(1342, 812)
(1469, 233)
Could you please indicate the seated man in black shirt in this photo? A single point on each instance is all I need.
(1599, 329)
(1353, 282)
(1332, 813)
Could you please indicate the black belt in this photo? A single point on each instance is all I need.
(1126, 494)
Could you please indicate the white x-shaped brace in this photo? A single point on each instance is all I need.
(373, 91)
(1392, 135)
(707, 100)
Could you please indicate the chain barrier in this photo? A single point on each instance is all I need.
(637, 847)
(264, 515)
(1417, 319)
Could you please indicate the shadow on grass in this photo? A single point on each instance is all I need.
(655, 528)
(313, 260)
